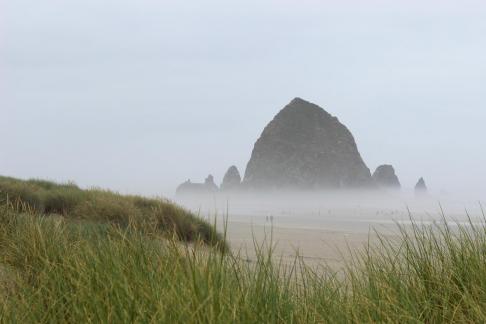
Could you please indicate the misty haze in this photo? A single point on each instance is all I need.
(307, 182)
(244, 162)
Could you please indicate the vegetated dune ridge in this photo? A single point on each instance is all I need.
(102, 206)
(53, 270)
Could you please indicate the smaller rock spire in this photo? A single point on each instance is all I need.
(421, 187)
(232, 179)
(385, 177)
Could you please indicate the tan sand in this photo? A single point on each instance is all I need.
(317, 247)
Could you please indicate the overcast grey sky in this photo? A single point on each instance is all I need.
(138, 96)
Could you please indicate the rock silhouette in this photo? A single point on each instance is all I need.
(304, 147)
(188, 187)
(385, 177)
(232, 179)
(421, 187)
(209, 184)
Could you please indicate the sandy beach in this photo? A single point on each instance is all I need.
(314, 246)
(321, 231)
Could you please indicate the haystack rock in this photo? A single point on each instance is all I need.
(232, 179)
(191, 188)
(421, 187)
(385, 177)
(304, 147)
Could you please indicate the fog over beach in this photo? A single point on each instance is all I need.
(306, 178)
(325, 225)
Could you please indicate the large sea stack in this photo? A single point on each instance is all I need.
(304, 147)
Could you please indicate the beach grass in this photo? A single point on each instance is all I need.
(56, 270)
(103, 206)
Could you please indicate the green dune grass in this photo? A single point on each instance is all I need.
(54, 270)
(103, 206)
